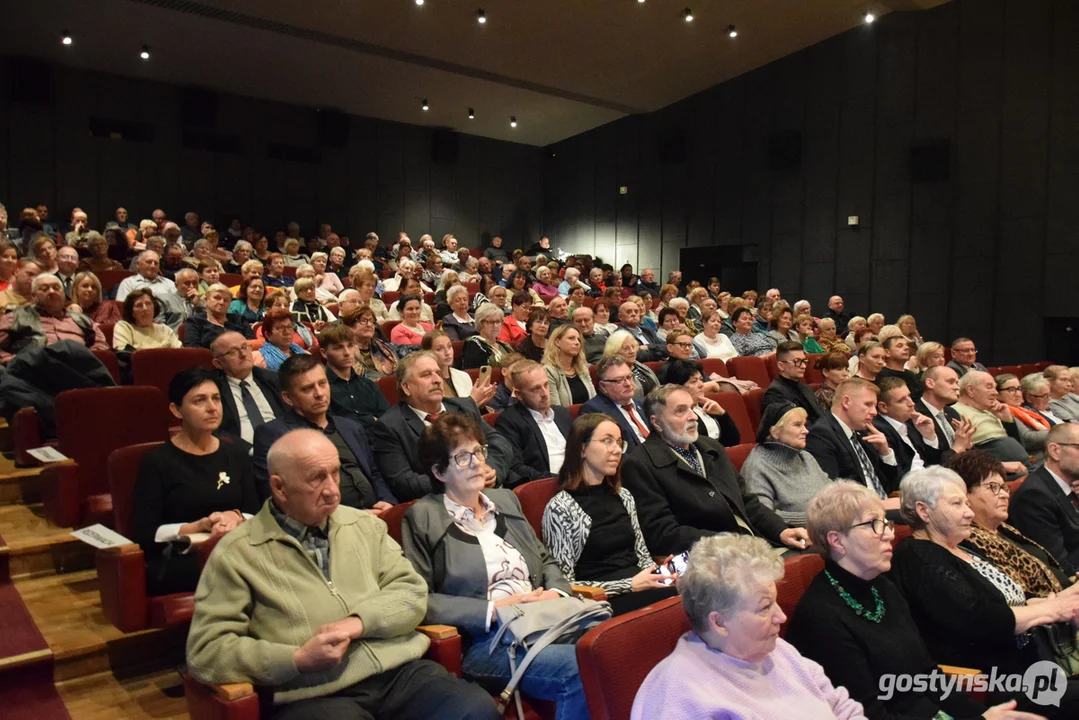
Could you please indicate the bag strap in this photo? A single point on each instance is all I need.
(549, 637)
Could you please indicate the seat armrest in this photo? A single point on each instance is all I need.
(438, 632)
(60, 494)
(960, 673)
(233, 691)
(589, 593)
(121, 583)
(26, 434)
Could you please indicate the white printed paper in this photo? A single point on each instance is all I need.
(101, 537)
(47, 454)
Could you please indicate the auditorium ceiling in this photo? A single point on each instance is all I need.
(560, 67)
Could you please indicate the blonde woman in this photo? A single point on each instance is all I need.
(855, 324)
(292, 255)
(930, 354)
(567, 369)
(909, 327)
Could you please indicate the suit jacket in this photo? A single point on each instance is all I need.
(593, 346)
(783, 390)
(349, 430)
(676, 506)
(841, 320)
(833, 452)
(961, 371)
(395, 436)
(456, 330)
(904, 455)
(605, 406)
(942, 439)
(267, 383)
(652, 348)
(1040, 510)
(532, 460)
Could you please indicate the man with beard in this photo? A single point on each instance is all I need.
(687, 488)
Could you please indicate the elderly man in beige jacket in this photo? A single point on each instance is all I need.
(315, 600)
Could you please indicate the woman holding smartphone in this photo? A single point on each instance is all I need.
(591, 526)
(457, 383)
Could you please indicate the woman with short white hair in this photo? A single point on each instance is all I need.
(622, 343)
(733, 664)
(969, 611)
(1036, 397)
(327, 280)
(458, 324)
(484, 348)
(854, 621)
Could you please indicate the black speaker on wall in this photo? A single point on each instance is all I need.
(931, 161)
(198, 107)
(31, 81)
(444, 145)
(333, 128)
(785, 151)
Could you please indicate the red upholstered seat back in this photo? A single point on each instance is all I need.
(615, 656)
(734, 405)
(575, 410)
(394, 517)
(123, 474)
(388, 385)
(753, 400)
(108, 359)
(491, 418)
(534, 497)
(91, 423)
(800, 571)
(714, 365)
(901, 533)
(813, 375)
(158, 366)
(739, 453)
(111, 278)
(750, 368)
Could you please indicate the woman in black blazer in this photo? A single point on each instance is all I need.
(484, 348)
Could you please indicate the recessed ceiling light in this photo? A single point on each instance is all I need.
(688, 15)
(145, 54)
(640, 1)
(66, 38)
(419, 2)
(481, 17)
(471, 114)
(870, 17)
(732, 31)
(426, 107)
(513, 121)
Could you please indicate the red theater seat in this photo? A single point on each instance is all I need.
(750, 368)
(714, 365)
(799, 572)
(732, 402)
(534, 496)
(739, 453)
(388, 385)
(158, 366)
(754, 399)
(491, 418)
(90, 424)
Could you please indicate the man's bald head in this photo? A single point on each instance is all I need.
(304, 470)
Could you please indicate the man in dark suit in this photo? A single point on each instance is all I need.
(788, 388)
(964, 357)
(396, 433)
(537, 431)
(911, 435)
(652, 348)
(306, 390)
(1045, 508)
(687, 488)
(847, 446)
(940, 391)
(614, 398)
(895, 364)
(835, 312)
(250, 396)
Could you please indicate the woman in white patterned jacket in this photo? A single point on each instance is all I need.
(591, 526)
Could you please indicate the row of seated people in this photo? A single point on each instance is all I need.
(303, 468)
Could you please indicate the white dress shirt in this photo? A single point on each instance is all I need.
(556, 443)
(888, 459)
(247, 432)
(918, 462)
(630, 417)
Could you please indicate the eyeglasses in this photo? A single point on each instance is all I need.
(611, 443)
(1039, 397)
(878, 526)
(682, 344)
(1010, 389)
(492, 321)
(1067, 444)
(797, 363)
(235, 353)
(964, 350)
(284, 328)
(621, 380)
(464, 459)
(997, 487)
(365, 321)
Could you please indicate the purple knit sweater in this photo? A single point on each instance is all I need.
(695, 681)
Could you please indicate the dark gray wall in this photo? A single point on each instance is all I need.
(986, 254)
(384, 181)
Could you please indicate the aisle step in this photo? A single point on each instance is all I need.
(37, 547)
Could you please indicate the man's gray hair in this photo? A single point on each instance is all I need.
(657, 399)
(972, 377)
(368, 265)
(926, 486)
(242, 245)
(184, 272)
(677, 302)
(201, 242)
(43, 278)
(571, 275)
(144, 254)
(722, 572)
(801, 304)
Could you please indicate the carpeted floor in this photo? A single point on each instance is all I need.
(26, 692)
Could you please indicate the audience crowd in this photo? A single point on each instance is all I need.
(348, 381)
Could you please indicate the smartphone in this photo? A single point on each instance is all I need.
(485, 375)
(676, 565)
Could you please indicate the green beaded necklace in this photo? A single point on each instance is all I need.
(878, 612)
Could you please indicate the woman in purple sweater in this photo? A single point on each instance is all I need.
(732, 664)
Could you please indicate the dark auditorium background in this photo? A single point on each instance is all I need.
(951, 133)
